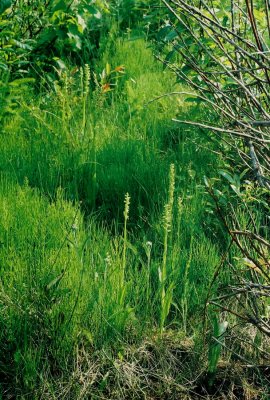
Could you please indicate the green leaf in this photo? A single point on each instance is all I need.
(21, 45)
(4, 5)
(60, 5)
(75, 41)
(163, 32)
(22, 81)
(227, 176)
(54, 282)
(91, 9)
(60, 63)
(168, 57)
(3, 66)
(81, 23)
(171, 36)
(236, 189)
(206, 181)
(46, 37)
(219, 329)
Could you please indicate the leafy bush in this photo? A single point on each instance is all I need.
(40, 34)
(221, 50)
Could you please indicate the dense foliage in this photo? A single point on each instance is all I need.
(134, 199)
(222, 52)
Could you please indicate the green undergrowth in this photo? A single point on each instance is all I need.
(87, 271)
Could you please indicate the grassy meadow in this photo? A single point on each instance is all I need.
(108, 239)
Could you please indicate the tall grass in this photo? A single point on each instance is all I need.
(77, 273)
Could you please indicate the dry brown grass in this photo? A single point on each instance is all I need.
(166, 368)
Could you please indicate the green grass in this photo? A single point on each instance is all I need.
(81, 283)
